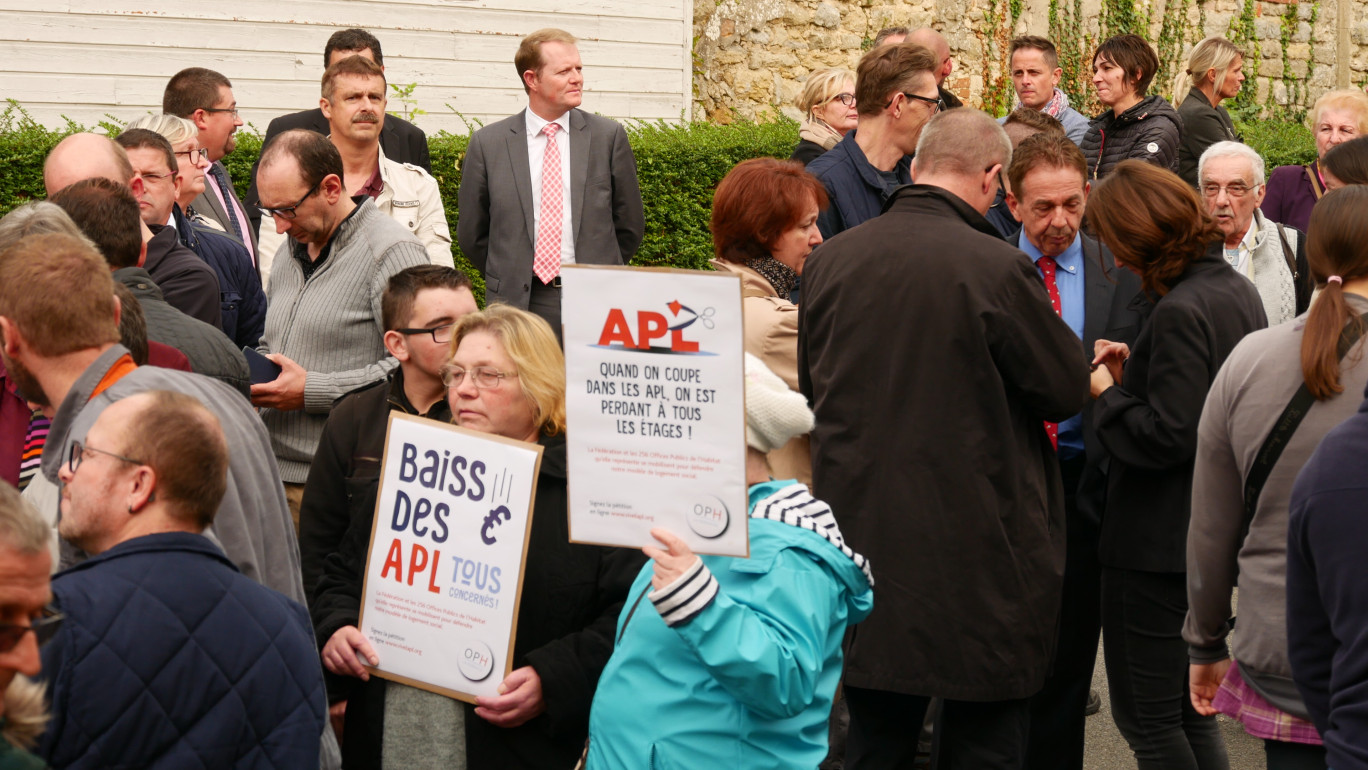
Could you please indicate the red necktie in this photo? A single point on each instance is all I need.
(546, 264)
(1047, 267)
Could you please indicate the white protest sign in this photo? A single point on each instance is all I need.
(444, 571)
(655, 404)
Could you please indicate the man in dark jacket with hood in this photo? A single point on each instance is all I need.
(895, 93)
(937, 458)
(209, 669)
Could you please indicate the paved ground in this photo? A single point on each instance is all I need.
(1105, 749)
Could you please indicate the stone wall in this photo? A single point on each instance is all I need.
(751, 57)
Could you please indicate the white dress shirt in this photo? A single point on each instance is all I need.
(536, 153)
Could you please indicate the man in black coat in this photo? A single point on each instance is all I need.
(1049, 192)
(402, 141)
(932, 355)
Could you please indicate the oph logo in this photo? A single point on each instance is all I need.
(650, 325)
(476, 661)
(708, 517)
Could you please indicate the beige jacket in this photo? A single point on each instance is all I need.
(772, 336)
(410, 197)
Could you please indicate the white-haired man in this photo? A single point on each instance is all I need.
(1231, 179)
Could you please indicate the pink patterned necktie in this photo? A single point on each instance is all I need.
(546, 264)
(1047, 267)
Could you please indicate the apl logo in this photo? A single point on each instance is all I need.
(708, 517)
(618, 331)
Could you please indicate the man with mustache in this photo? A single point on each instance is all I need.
(353, 102)
(1231, 179)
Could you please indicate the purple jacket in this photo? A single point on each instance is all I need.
(1289, 196)
(14, 422)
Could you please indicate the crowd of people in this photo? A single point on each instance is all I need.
(1012, 387)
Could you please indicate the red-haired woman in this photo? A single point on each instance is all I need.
(764, 225)
(1146, 418)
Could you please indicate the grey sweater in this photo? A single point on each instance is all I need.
(1249, 394)
(330, 324)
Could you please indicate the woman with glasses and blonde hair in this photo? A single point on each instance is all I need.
(1149, 399)
(1214, 73)
(506, 377)
(1336, 117)
(828, 105)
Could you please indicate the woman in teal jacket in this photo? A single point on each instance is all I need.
(733, 663)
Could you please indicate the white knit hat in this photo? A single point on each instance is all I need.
(774, 414)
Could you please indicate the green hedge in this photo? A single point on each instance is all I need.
(678, 167)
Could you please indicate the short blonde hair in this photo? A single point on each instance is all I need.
(529, 55)
(823, 86)
(1348, 99)
(175, 129)
(530, 343)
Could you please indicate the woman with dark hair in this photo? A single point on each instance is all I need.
(1345, 164)
(1238, 535)
(1327, 628)
(764, 225)
(1137, 126)
(1335, 118)
(1196, 309)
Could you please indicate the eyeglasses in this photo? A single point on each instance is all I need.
(155, 177)
(78, 454)
(1001, 185)
(1234, 189)
(195, 155)
(936, 104)
(440, 334)
(233, 110)
(846, 99)
(44, 627)
(484, 377)
(288, 212)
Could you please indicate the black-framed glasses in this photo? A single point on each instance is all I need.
(288, 212)
(484, 377)
(440, 334)
(846, 99)
(1001, 184)
(195, 155)
(78, 452)
(233, 110)
(936, 104)
(44, 627)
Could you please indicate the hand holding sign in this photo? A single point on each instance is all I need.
(672, 564)
(342, 653)
(519, 699)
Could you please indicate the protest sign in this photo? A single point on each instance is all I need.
(444, 571)
(655, 405)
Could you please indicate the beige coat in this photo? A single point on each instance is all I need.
(772, 336)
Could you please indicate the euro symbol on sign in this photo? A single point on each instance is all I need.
(495, 517)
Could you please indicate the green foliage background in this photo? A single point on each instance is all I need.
(678, 167)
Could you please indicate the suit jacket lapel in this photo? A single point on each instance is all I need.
(1097, 293)
(579, 168)
(522, 170)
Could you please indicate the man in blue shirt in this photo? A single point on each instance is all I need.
(1049, 192)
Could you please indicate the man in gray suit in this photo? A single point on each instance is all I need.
(548, 186)
(205, 98)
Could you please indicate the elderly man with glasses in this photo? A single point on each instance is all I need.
(168, 656)
(1231, 180)
(895, 93)
(26, 623)
(324, 320)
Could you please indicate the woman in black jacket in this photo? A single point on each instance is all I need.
(1137, 126)
(506, 377)
(828, 105)
(1194, 310)
(1214, 73)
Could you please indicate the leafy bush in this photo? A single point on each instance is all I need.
(678, 167)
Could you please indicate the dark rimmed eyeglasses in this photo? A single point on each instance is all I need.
(288, 212)
(44, 627)
(440, 334)
(194, 156)
(78, 453)
(846, 99)
(937, 104)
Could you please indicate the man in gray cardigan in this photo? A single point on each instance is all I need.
(323, 318)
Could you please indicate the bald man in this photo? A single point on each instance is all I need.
(187, 282)
(930, 38)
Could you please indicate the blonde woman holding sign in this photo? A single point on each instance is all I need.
(506, 377)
